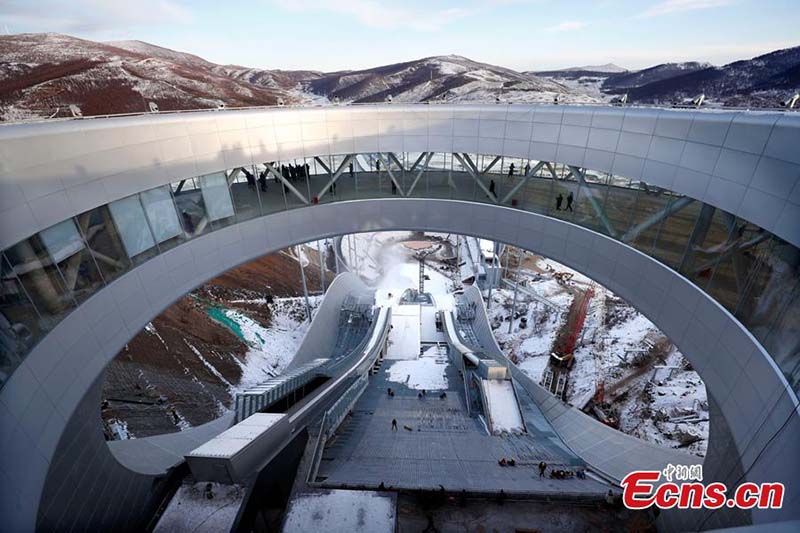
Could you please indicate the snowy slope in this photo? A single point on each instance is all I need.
(502, 406)
(441, 78)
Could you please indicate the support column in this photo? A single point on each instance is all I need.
(516, 290)
(491, 281)
(305, 285)
(321, 266)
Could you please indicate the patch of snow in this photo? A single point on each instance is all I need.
(211, 368)
(119, 429)
(190, 510)
(427, 372)
(502, 406)
(341, 510)
(270, 349)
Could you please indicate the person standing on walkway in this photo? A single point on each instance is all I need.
(511, 170)
(491, 187)
(352, 172)
(569, 202)
(559, 200)
(542, 468)
(527, 168)
(394, 424)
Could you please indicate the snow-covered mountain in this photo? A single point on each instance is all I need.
(763, 81)
(642, 77)
(42, 74)
(441, 78)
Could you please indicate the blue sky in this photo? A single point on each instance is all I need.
(349, 34)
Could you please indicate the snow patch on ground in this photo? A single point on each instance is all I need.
(119, 429)
(427, 372)
(271, 349)
(503, 409)
(341, 510)
(190, 510)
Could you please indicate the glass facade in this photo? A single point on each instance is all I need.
(752, 273)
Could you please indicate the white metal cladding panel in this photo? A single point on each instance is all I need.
(47, 168)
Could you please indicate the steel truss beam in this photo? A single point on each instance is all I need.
(522, 182)
(421, 171)
(473, 171)
(286, 183)
(488, 168)
(670, 209)
(391, 174)
(552, 170)
(731, 250)
(335, 176)
(414, 166)
(397, 162)
(598, 209)
(322, 164)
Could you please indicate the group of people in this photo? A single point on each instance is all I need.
(560, 200)
(288, 172)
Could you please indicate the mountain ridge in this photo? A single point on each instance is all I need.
(41, 75)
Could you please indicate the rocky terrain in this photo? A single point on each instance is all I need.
(41, 75)
(763, 81)
(444, 78)
(183, 369)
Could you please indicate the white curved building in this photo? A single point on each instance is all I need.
(692, 216)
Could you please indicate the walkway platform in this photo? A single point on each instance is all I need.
(438, 444)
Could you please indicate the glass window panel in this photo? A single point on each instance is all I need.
(620, 204)
(673, 234)
(270, 189)
(191, 207)
(710, 239)
(161, 213)
(244, 192)
(62, 240)
(41, 279)
(589, 204)
(216, 197)
(781, 337)
(564, 201)
(642, 230)
(538, 193)
(132, 225)
(733, 262)
(74, 259)
(20, 325)
(295, 188)
(104, 242)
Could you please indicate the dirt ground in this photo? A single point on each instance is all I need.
(158, 384)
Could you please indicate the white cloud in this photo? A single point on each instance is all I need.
(92, 16)
(677, 6)
(567, 25)
(382, 14)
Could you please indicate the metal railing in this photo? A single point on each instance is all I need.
(295, 107)
(268, 392)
